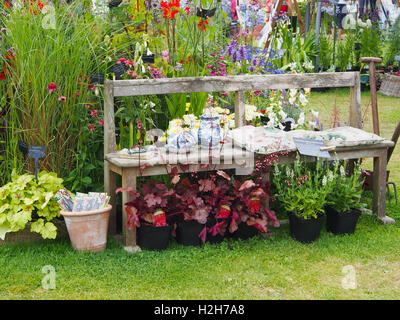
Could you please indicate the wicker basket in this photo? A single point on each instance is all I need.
(390, 86)
(26, 235)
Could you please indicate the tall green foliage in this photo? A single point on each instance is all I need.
(51, 100)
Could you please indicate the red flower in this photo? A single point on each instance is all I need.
(91, 127)
(202, 25)
(91, 87)
(170, 9)
(93, 114)
(51, 87)
(187, 9)
(38, 4)
(62, 98)
(2, 76)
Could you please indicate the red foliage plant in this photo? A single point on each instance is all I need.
(145, 207)
(218, 197)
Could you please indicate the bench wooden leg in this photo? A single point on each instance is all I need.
(129, 176)
(110, 186)
(379, 188)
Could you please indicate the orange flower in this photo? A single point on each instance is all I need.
(170, 9)
(35, 4)
(202, 25)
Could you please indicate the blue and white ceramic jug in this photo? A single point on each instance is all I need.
(209, 130)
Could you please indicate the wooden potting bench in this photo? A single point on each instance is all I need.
(228, 157)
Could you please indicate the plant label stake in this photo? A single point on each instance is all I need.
(313, 148)
(36, 152)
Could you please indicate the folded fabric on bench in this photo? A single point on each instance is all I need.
(265, 140)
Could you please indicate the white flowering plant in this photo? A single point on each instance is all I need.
(302, 188)
(279, 106)
(346, 188)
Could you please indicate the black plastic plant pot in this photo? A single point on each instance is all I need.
(97, 78)
(153, 238)
(305, 230)
(205, 13)
(114, 3)
(341, 222)
(148, 58)
(118, 70)
(244, 232)
(187, 233)
(218, 238)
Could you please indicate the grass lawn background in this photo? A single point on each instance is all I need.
(259, 268)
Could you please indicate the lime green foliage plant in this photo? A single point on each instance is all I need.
(302, 188)
(346, 189)
(25, 199)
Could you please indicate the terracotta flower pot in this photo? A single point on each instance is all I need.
(88, 229)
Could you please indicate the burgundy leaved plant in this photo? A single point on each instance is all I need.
(143, 206)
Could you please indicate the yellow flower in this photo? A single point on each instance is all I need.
(187, 106)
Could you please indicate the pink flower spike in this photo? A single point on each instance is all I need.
(91, 87)
(91, 127)
(51, 87)
(101, 122)
(77, 93)
(62, 98)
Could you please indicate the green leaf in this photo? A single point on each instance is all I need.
(86, 180)
(3, 230)
(48, 230)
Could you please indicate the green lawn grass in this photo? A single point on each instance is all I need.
(260, 268)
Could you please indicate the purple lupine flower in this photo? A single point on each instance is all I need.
(242, 52)
(234, 57)
(252, 69)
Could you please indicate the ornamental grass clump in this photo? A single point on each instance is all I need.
(48, 82)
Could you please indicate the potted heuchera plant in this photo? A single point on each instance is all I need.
(344, 201)
(249, 211)
(216, 191)
(191, 212)
(302, 190)
(25, 201)
(148, 211)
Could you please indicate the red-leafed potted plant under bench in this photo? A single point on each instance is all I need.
(148, 212)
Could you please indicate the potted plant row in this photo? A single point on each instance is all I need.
(312, 193)
(196, 210)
